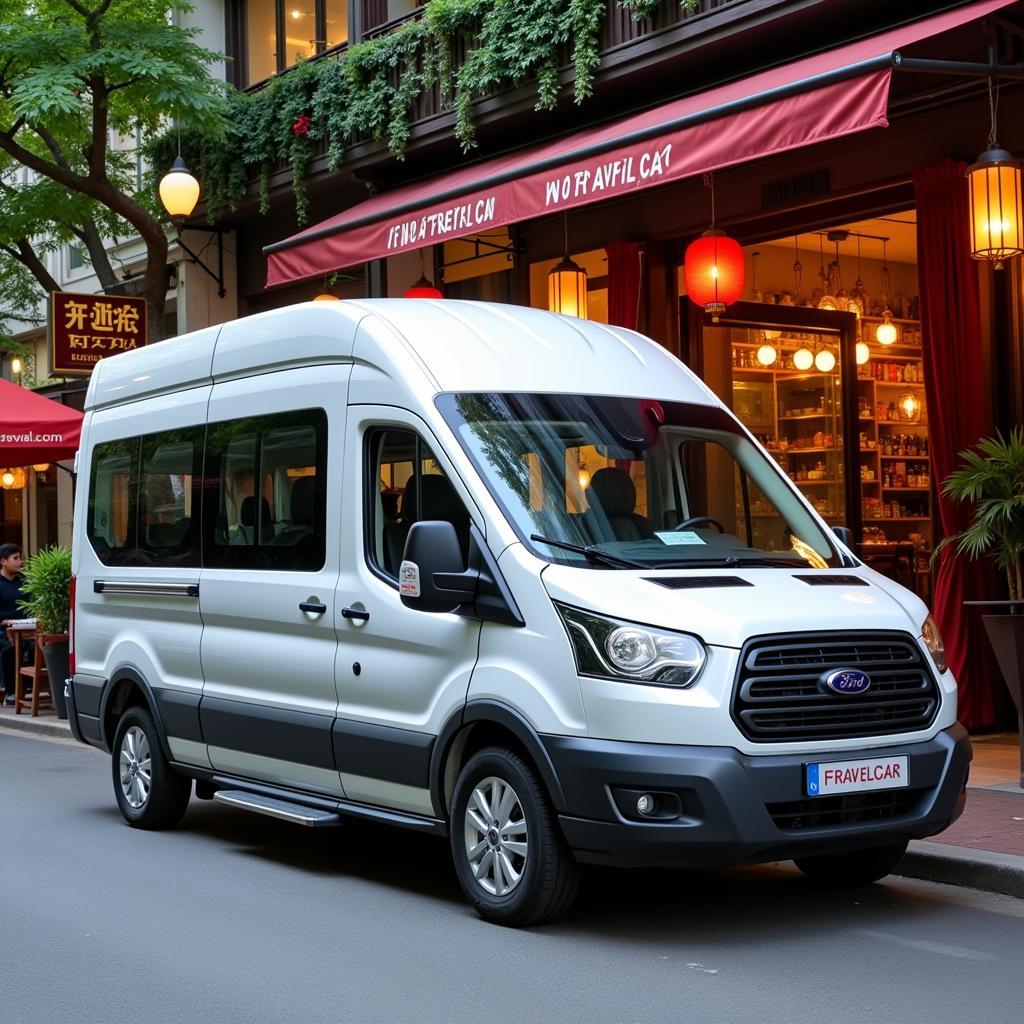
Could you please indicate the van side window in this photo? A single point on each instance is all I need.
(405, 484)
(266, 505)
(169, 498)
(111, 526)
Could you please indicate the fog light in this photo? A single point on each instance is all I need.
(645, 805)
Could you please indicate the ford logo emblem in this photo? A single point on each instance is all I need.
(848, 681)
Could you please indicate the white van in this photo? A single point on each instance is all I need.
(491, 573)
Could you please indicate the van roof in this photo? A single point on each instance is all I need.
(459, 345)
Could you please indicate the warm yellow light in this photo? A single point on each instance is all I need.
(767, 354)
(41, 467)
(994, 194)
(326, 296)
(828, 302)
(567, 289)
(179, 191)
(885, 332)
(863, 353)
(771, 335)
(909, 406)
(12, 479)
(16, 365)
(584, 478)
(803, 358)
(825, 361)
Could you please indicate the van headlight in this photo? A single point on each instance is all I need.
(614, 649)
(933, 641)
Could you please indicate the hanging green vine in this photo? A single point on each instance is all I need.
(466, 48)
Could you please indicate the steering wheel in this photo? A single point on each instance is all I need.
(694, 520)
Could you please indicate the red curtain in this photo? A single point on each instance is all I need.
(623, 283)
(955, 388)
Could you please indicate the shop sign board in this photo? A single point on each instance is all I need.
(87, 328)
(812, 185)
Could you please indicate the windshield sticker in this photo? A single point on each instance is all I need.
(409, 579)
(678, 537)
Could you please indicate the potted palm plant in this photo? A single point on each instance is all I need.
(48, 583)
(991, 478)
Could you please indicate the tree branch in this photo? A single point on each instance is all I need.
(90, 237)
(27, 256)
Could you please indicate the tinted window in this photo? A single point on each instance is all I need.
(266, 505)
(169, 498)
(113, 483)
(406, 484)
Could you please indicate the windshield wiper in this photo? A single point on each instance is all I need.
(591, 553)
(732, 562)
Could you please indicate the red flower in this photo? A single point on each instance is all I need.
(301, 126)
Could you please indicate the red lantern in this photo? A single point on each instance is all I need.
(714, 270)
(424, 289)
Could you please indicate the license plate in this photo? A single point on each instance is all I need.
(832, 777)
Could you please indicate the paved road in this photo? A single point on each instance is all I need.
(238, 918)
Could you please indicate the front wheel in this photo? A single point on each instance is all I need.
(510, 857)
(150, 794)
(858, 867)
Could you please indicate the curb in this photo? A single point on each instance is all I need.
(32, 726)
(958, 865)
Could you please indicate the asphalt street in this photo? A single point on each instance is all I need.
(235, 917)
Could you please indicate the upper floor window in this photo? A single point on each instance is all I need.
(280, 33)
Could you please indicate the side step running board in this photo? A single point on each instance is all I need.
(297, 814)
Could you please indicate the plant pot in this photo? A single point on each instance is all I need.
(55, 654)
(1006, 634)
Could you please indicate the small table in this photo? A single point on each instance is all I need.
(39, 698)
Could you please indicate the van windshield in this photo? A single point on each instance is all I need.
(607, 482)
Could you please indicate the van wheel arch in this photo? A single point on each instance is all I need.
(483, 724)
(128, 689)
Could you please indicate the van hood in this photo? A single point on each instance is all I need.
(755, 601)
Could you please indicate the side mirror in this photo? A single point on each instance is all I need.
(845, 535)
(433, 577)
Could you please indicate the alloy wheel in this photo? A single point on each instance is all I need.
(496, 836)
(136, 767)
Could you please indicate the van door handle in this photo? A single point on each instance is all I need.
(355, 613)
(314, 607)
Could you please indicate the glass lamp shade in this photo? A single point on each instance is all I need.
(16, 365)
(424, 289)
(994, 196)
(863, 353)
(803, 358)
(326, 296)
(714, 270)
(825, 361)
(885, 332)
(12, 479)
(567, 289)
(41, 467)
(179, 191)
(909, 406)
(767, 354)
(828, 302)
(772, 335)
(584, 478)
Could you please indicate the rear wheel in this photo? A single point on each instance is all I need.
(858, 867)
(510, 857)
(149, 792)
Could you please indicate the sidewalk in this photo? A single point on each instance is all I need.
(984, 849)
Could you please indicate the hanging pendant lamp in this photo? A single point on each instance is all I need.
(567, 283)
(885, 332)
(713, 266)
(994, 196)
(909, 406)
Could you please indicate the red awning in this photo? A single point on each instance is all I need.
(34, 428)
(813, 100)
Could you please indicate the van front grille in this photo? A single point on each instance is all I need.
(845, 809)
(779, 696)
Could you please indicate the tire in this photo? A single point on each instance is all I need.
(162, 802)
(858, 867)
(520, 875)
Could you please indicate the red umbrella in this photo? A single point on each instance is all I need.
(34, 428)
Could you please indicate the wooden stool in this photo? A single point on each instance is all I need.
(40, 698)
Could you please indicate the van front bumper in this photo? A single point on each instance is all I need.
(734, 808)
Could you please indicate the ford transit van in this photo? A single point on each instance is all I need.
(494, 574)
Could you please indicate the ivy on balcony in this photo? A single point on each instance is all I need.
(465, 48)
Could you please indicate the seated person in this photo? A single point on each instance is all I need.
(12, 593)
